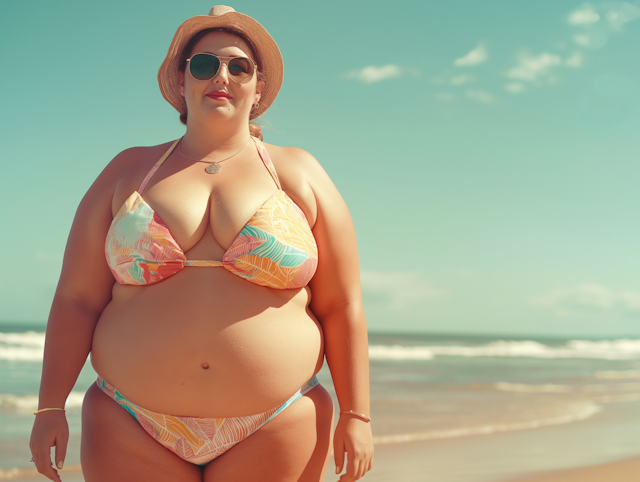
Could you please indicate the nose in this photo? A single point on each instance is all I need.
(222, 76)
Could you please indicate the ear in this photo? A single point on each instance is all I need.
(259, 87)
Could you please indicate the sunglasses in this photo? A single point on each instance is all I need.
(206, 66)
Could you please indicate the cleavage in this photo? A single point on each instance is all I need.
(205, 228)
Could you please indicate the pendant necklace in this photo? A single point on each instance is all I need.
(213, 167)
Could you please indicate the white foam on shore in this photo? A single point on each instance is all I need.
(28, 346)
(581, 411)
(29, 403)
(555, 388)
(624, 349)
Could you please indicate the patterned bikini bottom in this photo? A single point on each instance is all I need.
(196, 439)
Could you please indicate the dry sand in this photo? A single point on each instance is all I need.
(623, 471)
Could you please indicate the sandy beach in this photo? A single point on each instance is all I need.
(623, 471)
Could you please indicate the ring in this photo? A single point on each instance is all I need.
(32, 460)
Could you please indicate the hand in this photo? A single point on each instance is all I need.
(354, 437)
(49, 430)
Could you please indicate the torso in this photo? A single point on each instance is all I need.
(260, 344)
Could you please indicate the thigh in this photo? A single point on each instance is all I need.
(115, 447)
(293, 447)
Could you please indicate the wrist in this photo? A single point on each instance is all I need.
(49, 409)
(353, 413)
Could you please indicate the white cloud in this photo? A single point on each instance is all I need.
(480, 95)
(477, 56)
(534, 67)
(585, 15)
(514, 87)
(620, 13)
(582, 40)
(398, 290)
(598, 22)
(372, 74)
(590, 299)
(462, 79)
(575, 60)
(445, 97)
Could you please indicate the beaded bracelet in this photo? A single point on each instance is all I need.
(47, 409)
(359, 415)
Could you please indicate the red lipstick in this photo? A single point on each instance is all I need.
(218, 95)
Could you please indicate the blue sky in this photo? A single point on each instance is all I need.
(488, 151)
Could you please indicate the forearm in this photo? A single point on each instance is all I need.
(347, 353)
(68, 343)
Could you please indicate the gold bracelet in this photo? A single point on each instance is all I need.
(47, 409)
(359, 415)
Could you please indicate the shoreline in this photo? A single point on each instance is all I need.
(627, 470)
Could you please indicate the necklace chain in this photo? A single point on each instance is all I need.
(213, 167)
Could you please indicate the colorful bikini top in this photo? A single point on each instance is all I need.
(276, 247)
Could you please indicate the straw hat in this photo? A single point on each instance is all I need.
(269, 57)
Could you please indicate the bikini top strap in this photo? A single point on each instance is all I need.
(264, 155)
(155, 167)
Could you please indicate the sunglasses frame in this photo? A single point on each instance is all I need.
(223, 61)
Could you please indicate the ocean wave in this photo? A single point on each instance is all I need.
(579, 412)
(555, 388)
(28, 346)
(623, 349)
(29, 403)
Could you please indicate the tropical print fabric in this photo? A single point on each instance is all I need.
(195, 439)
(276, 247)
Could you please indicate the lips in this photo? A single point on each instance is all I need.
(218, 95)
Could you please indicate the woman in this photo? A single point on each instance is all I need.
(208, 329)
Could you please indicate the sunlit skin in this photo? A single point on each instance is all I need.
(205, 342)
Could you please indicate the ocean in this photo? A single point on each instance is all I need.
(423, 387)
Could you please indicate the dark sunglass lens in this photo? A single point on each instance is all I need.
(204, 67)
(240, 69)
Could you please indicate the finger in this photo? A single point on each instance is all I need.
(353, 467)
(61, 450)
(42, 459)
(338, 454)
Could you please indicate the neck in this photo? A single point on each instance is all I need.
(203, 139)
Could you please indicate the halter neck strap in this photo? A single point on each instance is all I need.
(155, 167)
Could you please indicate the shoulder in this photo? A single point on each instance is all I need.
(292, 160)
(125, 172)
(136, 157)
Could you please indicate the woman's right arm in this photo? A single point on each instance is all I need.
(82, 293)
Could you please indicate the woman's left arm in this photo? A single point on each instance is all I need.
(337, 303)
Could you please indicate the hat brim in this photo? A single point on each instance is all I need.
(267, 51)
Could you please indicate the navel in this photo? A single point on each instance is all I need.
(204, 365)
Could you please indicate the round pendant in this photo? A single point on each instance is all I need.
(213, 168)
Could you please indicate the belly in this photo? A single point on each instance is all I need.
(207, 343)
